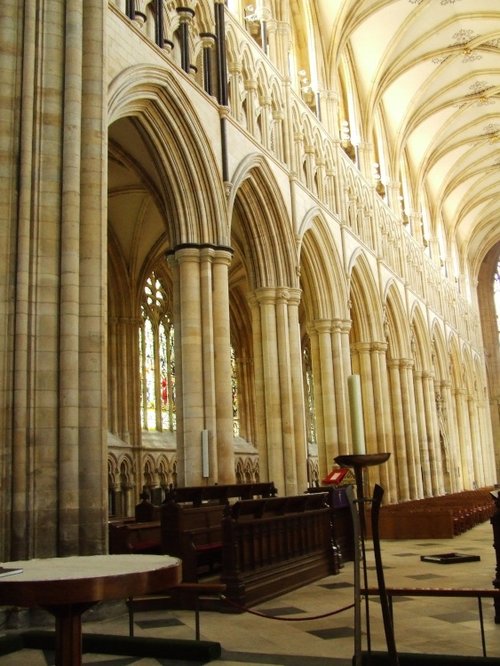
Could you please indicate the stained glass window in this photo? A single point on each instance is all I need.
(157, 359)
(234, 391)
(309, 393)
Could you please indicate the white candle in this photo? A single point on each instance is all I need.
(356, 409)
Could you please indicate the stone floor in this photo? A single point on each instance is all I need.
(301, 629)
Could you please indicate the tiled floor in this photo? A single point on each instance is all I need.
(302, 628)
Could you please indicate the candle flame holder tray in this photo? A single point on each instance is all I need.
(450, 558)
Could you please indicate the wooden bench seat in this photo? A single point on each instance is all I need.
(191, 523)
(272, 546)
(443, 516)
(223, 494)
(132, 537)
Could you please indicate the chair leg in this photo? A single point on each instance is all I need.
(130, 602)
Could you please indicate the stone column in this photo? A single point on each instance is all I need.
(363, 351)
(310, 156)
(415, 219)
(208, 44)
(189, 367)
(123, 367)
(464, 437)
(59, 432)
(286, 392)
(203, 362)
(265, 103)
(400, 449)
(329, 111)
(251, 99)
(435, 461)
(258, 387)
(278, 36)
(186, 15)
(298, 400)
(270, 442)
(208, 364)
(394, 193)
(324, 391)
(222, 360)
(340, 381)
(382, 402)
(411, 434)
(476, 456)
(423, 438)
(235, 91)
(279, 391)
(320, 179)
(450, 420)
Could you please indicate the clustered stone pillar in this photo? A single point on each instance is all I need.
(330, 357)
(400, 450)
(203, 362)
(324, 393)
(58, 414)
(280, 436)
(220, 260)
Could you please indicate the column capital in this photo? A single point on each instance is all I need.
(191, 250)
(322, 325)
(406, 363)
(186, 14)
(380, 347)
(208, 40)
(267, 295)
(362, 347)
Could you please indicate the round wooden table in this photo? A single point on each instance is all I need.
(68, 586)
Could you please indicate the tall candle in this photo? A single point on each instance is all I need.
(356, 409)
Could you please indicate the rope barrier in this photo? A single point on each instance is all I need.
(245, 609)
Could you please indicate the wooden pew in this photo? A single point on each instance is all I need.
(272, 546)
(341, 521)
(442, 516)
(198, 495)
(191, 523)
(194, 534)
(127, 536)
(132, 537)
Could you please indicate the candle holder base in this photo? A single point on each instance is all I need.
(362, 459)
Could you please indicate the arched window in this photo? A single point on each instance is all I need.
(156, 342)
(235, 391)
(309, 392)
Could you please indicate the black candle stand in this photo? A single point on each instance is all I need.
(358, 461)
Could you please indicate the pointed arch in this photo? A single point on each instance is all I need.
(180, 161)
(261, 225)
(396, 324)
(366, 307)
(323, 281)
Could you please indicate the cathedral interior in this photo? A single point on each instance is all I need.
(241, 241)
(215, 213)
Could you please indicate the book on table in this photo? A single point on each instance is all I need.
(9, 571)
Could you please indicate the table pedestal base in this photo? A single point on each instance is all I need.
(69, 632)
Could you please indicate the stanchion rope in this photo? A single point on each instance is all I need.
(246, 609)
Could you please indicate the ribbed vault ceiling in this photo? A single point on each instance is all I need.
(431, 70)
